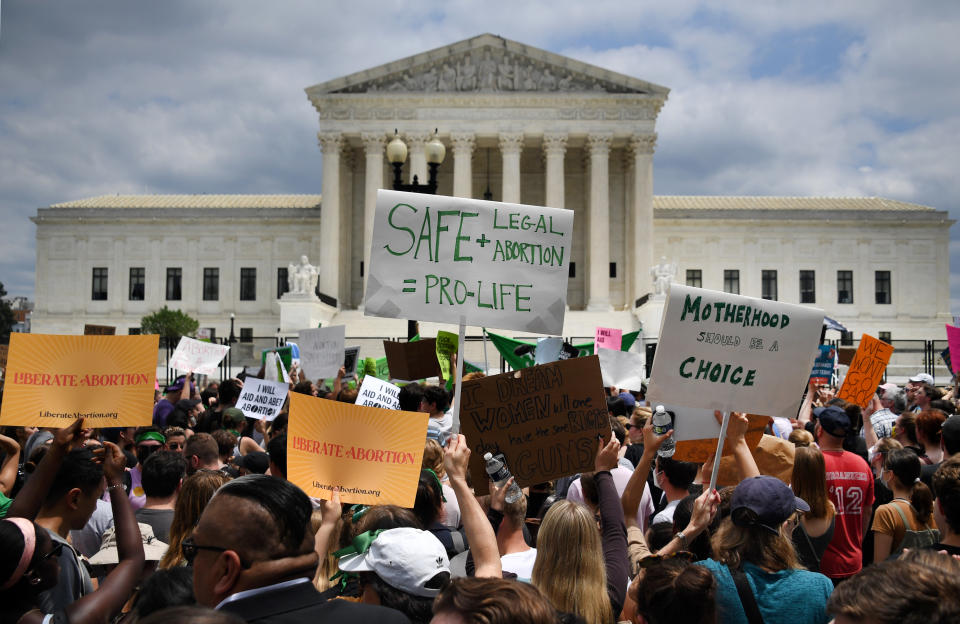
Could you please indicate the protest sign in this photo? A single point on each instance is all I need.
(773, 456)
(845, 355)
(866, 371)
(727, 352)
(412, 360)
(350, 357)
(544, 419)
(378, 393)
(507, 347)
(823, 366)
(449, 259)
(99, 330)
(52, 380)
(273, 368)
(548, 350)
(622, 369)
(608, 338)
(285, 353)
(262, 398)
(953, 343)
(196, 356)
(697, 432)
(321, 351)
(944, 355)
(373, 455)
(446, 346)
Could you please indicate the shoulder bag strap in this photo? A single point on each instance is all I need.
(906, 523)
(747, 599)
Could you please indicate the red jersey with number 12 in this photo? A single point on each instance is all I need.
(850, 487)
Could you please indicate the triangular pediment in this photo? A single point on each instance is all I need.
(487, 63)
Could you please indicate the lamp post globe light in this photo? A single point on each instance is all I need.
(397, 154)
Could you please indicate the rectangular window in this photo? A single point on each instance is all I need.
(137, 283)
(613, 269)
(808, 287)
(844, 286)
(134, 331)
(882, 281)
(248, 284)
(731, 281)
(846, 338)
(211, 284)
(174, 277)
(246, 334)
(885, 337)
(283, 286)
(99, 290)
(768, 285)
(695, 278)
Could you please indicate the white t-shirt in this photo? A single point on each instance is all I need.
(520, 563)
(666, 514)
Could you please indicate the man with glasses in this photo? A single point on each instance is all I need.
(176, 439)
(253, 554)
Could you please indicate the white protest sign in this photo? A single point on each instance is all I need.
(321, 351)
(728, 352)
(194, 356)
(548, 350)
(693, 424)
(378, 393)
(449, 259)
(273, 369)
(261, 398)
(622, 369)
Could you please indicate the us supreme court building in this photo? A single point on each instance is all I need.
(526, 126)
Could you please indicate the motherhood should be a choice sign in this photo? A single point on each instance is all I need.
(438, 258)
(727, 352)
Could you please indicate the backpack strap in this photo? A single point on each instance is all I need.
(903, 516)
(747, 599)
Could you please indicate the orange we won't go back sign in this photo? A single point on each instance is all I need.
(53, 380)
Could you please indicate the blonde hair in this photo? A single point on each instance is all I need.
(433, 457)
(569, 568)
(733, 545)
(195, 493)
(801, 437)
(809, 481)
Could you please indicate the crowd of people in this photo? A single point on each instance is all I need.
(192, 519)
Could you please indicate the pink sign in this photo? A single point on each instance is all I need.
(953, 341)
(608, 338)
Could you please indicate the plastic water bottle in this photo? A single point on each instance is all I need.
(661, 425)
(499, 474)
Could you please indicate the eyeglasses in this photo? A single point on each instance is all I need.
(54, 551)
(190, 549)
(652, 560)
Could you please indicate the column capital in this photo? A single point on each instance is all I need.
(417, 139)
(511, 142)
(463, 142)
(330, 142)
(373, 142)
(599, 143)
(643, 143)
(555, 143)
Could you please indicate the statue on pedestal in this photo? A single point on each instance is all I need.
(662, 274)
(302, 278)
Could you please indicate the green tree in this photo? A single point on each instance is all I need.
(169, 324)
(6, 317)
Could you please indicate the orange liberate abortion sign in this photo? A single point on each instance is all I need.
(373, 455)
(53, 380)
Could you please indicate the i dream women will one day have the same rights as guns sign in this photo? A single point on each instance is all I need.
(448, 259)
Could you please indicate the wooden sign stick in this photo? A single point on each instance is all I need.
(716, 458)
(459, 379)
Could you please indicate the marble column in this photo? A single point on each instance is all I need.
(373, 144)
(331, 143)
(641, 207)
(598, 252)
(511, 144)
(463, 144)
(555, 148)
(416, 154)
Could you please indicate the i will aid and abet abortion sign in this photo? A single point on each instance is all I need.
(728, 352)
(438, 258)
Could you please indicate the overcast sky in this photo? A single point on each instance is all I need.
(849, 98)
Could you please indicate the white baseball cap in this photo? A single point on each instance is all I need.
(405, 558)
(922, 377)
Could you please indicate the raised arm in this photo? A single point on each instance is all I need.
(115, 590)
(806, 408)
(28, 501)
(330, 512)
(633, 493)
(480, 536)
(612, 529)
(704, 509)
(736, 436)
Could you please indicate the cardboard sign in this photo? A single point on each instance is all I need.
(447, 259)
(446, 346)
(261, 398)
(608, 338)
(99, 330)
(866, 371)
(823, 366)
(697, 433)
(953, 343)
(321, 351)
(622, 369)
(373, 455)
(412, 360)
(773, 455)
(845, 355)
(195, 356)
(544, 419)
(733, 353)
(53, 380)
(350, 357)
(378, 393)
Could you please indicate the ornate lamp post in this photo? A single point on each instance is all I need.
(397, 155)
